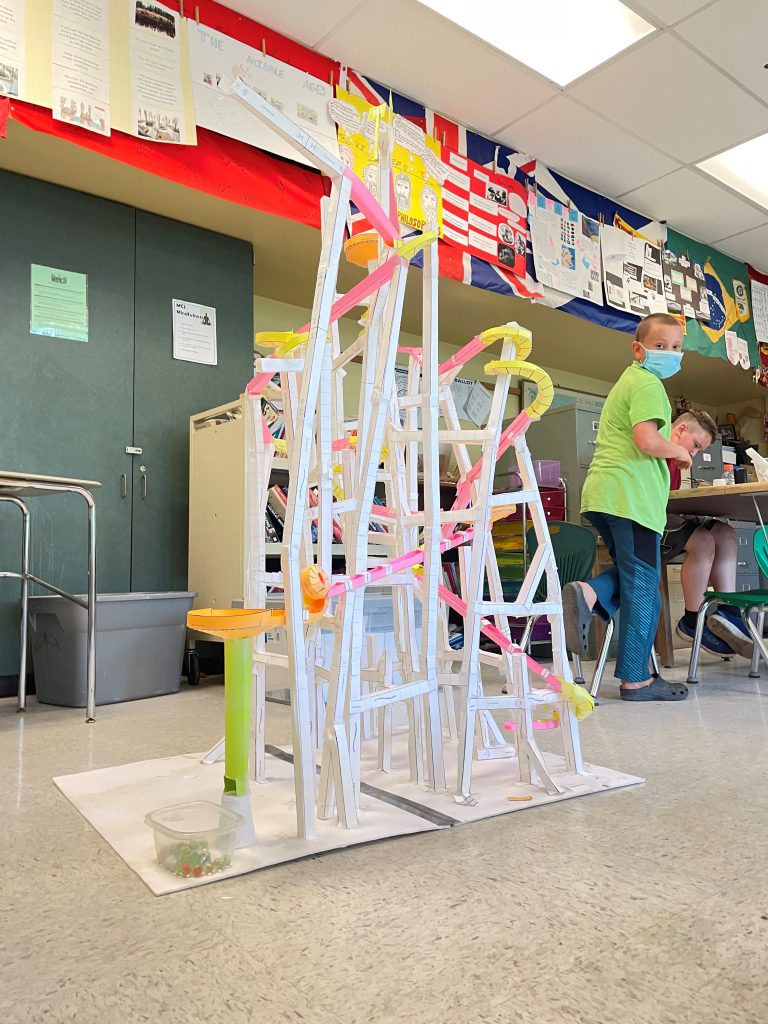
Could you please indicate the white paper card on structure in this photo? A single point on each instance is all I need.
(478, 404)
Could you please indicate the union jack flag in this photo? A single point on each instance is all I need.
(454, 262)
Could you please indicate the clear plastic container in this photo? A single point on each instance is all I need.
(547, 472)
(195, 839)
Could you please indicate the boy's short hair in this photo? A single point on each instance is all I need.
(699, 419)
(649, 322)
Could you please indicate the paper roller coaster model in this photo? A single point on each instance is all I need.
(334, 467)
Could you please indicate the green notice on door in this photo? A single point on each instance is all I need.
(58, 304)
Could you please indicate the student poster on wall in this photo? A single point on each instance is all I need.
(161, 110)
(58, 303)
(632, 272)
(12, 48)
(684, 285)
(484, 213)
(415, 159)
(215, 59)
(566, 248)
(759, 287)
(80, 58)
(126, 60)
(194, 332)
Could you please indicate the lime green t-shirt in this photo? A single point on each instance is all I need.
(622, 480)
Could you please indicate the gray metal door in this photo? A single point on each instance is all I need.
(66, 407)
(177, 261)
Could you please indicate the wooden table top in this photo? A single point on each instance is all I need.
(733, 501)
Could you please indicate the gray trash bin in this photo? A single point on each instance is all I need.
(140, 641)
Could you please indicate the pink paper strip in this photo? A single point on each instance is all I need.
(356, 296)
(471, 349)
(371, 209)
(518, 426)
(487, 627)
(258, 384)
(396, 565)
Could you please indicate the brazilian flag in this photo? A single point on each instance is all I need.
(727, 280)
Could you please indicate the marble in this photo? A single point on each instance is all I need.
(647, 905)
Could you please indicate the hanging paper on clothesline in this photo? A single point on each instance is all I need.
(737, 349)
(215, 60)
(484, 213)
(632, 272)
(416, 166)
(685, 286)
(566, 248)
(80, 57)
(760, 310)
(161, 94)
(12, 48)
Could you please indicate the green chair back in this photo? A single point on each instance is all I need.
(760, 547)
(575, 549)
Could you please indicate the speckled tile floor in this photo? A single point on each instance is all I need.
(641, 906)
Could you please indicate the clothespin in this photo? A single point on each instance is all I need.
(263, 47)
(495, 156)
(181, 8)
(197, 15)
(601, 217)
(443, 142)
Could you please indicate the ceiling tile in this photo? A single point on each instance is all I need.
(692, 203)
(751, 246)
(733, 34)
(568, 137)
(305, 20)
(458, 75)
(668, 11)
(641, 90)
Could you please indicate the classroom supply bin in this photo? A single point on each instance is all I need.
(139, 647)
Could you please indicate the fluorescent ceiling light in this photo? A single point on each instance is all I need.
(743, 168)
(561, 39)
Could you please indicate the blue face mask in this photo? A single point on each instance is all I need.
(662, 364)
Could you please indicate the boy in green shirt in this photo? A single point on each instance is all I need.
(625, 499)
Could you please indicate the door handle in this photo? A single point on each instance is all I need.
(123, 485)
(143, 485)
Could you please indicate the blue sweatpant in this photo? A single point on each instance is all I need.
(632, 583)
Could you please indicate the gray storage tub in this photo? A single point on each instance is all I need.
(140, 642)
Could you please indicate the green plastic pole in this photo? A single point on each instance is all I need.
(237, 714)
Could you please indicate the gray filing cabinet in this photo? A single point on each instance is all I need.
(568, 434)
(747, 574)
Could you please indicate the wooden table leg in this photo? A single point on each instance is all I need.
(664, 641)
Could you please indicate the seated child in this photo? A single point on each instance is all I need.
(710, 553)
